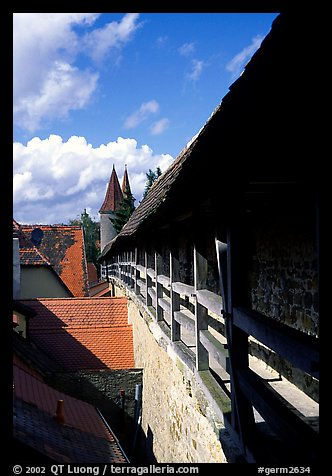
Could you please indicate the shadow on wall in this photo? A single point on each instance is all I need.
(103, 389)
(142, 453)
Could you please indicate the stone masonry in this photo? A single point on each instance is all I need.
(177, 419)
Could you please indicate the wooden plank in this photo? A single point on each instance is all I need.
(183, 289)
(298, 348)
(278, 413)
(210, 300)
(141, 283)
(152, 293)
(151, 273)
(140, 268)
(216, 325)
(215, 348)
(164, 280)
(165, 304)
(186, 319)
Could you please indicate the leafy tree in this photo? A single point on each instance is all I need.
(151, 177)
(125, 211)
(91, 231)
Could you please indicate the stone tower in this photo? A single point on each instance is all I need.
(111, 204)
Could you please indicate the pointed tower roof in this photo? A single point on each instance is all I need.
(113, 197)
(125, 182)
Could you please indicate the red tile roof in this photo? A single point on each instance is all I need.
(125, 183)
(83, 438)
(92, 273)
(19, 362)
(29, 253)
(63, 247)
(113, 197)
(83, 333)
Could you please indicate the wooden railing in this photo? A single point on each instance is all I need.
(212, 336)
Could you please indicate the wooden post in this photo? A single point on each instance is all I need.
(119, 267)
(148, 281)
(159, 286)
(131, 269)
(136, 272)
(201, 313)
(232, 272)
(175, 297)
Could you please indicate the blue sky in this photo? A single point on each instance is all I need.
(92, 90)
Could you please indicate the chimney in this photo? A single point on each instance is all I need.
(16, 269)
(60, 412)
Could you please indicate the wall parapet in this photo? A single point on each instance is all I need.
(190, 324)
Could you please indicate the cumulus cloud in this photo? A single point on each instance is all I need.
(237, 63)
(186, 49)
(141, 114)
(112, 35)
(159, 126)
(196, 69)
(55, 180)
(47, 82)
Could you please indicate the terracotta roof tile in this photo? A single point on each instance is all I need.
(83, 437)
(92, 273)
(113, 197)
(125, 183)
(84, 333)
(33, 356)
(19, 362)
(63, 247)
(29, 253)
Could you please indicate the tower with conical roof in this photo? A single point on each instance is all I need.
(111, 204)
(125, 183)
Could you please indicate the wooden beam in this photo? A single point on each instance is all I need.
(228, 258)
(148, 281)
(186, 319)
(164, 280)
(216, 349)
(136, 272)
(174, 295)
(286, 421)
(201, 314)
(165, 304)
(183, 289)
(210, 300)
(159, 286)
(299, 349)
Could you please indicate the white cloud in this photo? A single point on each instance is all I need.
(141, 114)
(162, 40)
(55, 180)
(112, 35)
(186, 49)
(159, 127)
(197, 68)
(47, 82)
(65, 88)
(237, 63)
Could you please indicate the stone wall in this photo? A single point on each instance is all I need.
(102, 389)
(178, 420)
(284, 279)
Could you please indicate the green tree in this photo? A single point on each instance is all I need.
(125, 211)
(151, 177)
(91, 232)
